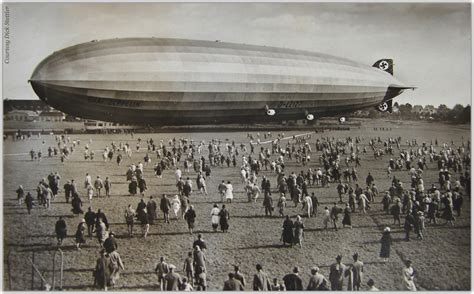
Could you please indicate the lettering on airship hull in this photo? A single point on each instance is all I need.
(114, 102)
(288, 104)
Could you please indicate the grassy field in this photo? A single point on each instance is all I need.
(442, 259)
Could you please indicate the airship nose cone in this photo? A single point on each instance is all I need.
(38, 76)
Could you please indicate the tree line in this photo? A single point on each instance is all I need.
(458, 114)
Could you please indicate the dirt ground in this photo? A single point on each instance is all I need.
(442, 259)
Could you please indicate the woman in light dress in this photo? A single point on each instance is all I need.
(228, 192)
(175, 205)
(90, 192)
(408, 276)
(215, 217)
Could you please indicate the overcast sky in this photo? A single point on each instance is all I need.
(430, 43)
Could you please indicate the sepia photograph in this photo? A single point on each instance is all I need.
(236, 146)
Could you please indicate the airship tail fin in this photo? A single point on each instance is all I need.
(385, 65)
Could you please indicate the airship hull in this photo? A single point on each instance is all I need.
(182, 82)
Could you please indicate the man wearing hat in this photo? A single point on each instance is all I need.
(161, 270)
(357, 272)
(199, 262)
(172, 280)
(110, 244)
(337, 273)
(200, 242)
(232, 284)
(293, 281)
(317, 280)
(261, 281)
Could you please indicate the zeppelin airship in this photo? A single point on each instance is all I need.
(157, 81)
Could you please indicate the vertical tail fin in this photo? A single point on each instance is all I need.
(385, 65)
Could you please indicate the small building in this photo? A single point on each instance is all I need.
(418, 109)
(33, 105)
(21, 115)
(429, 110)
(51, 116)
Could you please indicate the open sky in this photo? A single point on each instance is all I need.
(429, 42)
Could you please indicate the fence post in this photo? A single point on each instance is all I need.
(32, 270)
(60, 269)
(54, 271)
(61, 272)
(9, 264)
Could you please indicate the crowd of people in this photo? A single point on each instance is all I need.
(338, 161)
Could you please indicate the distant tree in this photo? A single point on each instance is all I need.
(442, 108)
(455, 114)
(465, 116)
(458, 108)
(373, 113)
(405, 111)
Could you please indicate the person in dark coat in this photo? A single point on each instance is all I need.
(61, 230)
(76, 203)
(144, 221)
(457, 203)
(110, 244)
(165, 206)
(102, 216)
(409, 224)
(190, 217)
(293, 281)
(232, 284)
(29, 202)
(334, 215)
(132, 187)
(287, 234)
(268, 204)
(67, 191)
(386, 242)
(107, 186)
(433, 208)
(346, 220)
(337, 272)
(448, 214)
(386, 200)
(315, 201)
(80, 234)
(102, 272)
(142, 186)
(90, 221)
(151, 210)
(141, 206)
(395, 211)
(224, 217)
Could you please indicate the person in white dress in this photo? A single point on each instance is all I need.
(175, 205)
(229, 192)
(408, 276)
(90, 192)
(178, 174)
(215, 217)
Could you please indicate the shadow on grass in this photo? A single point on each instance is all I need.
(264, 247)
(15, 213)
(395, 240)
(60, 215)
(253, 216)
